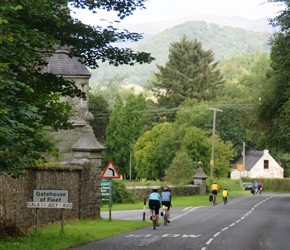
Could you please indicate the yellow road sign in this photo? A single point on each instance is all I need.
(240, 167)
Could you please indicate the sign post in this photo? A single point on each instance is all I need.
(49, 199)
(241, 168)
(109, 173)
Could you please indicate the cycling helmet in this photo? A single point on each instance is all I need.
(154, 189)
(165, 188)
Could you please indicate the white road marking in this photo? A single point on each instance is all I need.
(243, 217)
(187, 212)
(216, 234)
(209, 241)
(186, 209)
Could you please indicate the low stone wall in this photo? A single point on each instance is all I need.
(141, 192)
(16, 218)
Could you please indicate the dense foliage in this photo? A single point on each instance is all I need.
(272, 115)
(270, 118)
(121, 193)
(30, 98)
(124, 128)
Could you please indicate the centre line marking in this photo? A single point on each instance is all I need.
(209, 241)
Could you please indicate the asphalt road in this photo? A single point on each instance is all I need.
(259, 222)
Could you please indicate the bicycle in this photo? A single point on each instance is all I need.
(164, 214)
(154, 221)
(225, 199)
(214, 200)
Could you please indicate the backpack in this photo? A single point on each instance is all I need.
(210, 198)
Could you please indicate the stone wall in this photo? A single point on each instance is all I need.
(15, 193)
(142, 192)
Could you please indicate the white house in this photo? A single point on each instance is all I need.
(258, 164)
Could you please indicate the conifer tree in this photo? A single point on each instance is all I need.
(189, 73)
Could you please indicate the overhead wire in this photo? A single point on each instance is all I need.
(164, 111)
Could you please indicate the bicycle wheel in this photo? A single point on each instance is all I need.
(154, 218)
(165, 217)
(213, 200)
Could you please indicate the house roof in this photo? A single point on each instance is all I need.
(251, 158)
(61, 64)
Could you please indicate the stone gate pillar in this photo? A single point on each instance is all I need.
(87, 152)
(200, 179)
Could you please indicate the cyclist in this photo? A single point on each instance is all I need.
(154, 200)
(260, 186)
(214, 190)
(225, 196)
(255, 186)
(166, 201)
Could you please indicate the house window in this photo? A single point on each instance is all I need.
(266, 164)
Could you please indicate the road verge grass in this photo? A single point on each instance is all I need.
(75, 233)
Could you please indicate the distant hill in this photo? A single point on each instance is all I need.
(225, 41)
(154, 28)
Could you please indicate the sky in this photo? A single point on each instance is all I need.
(162, 10)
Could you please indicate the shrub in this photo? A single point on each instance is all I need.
(121, 193)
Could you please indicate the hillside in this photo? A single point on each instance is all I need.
(153, 28)
(225, 42)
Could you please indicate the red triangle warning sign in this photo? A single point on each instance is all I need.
(110, 171)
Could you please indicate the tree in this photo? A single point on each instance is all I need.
(230, 124)
(223, 156)
(271, 115)
(244, 76)
(157, 149)
(189, 73)
(147, 164)
(29, 98)
(123, 130)
(181, 170)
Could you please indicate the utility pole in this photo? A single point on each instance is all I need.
(244, 156)
(212, 142)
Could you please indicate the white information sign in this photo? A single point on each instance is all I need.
(51, 196)
(43, 198)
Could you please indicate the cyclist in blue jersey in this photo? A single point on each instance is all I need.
(154, 200)
(255, 187)
(166, 201)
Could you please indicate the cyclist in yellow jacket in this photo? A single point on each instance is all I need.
(214, 190)
(225, 194)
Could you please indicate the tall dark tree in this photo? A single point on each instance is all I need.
(29, 98)
(189, 73)
(123, 130)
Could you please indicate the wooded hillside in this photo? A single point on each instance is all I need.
(224, 41)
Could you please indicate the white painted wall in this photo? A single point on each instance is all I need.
(258, 171)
